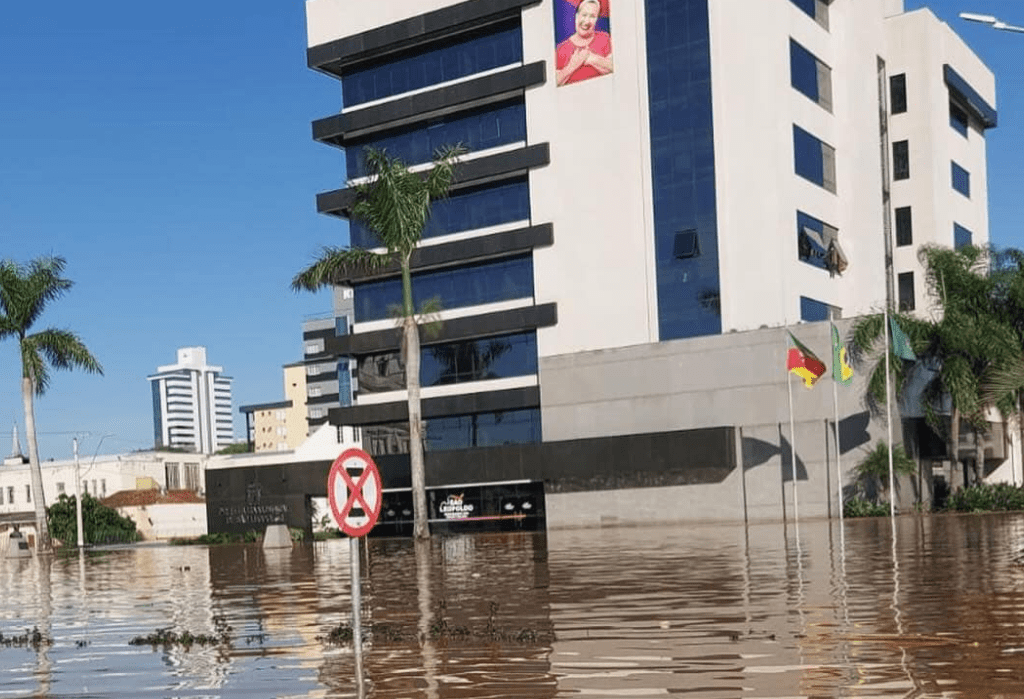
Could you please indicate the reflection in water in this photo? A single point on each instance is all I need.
(923, 607)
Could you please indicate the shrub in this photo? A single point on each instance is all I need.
(998, 497)
(100, 524)
(874, 468)
(858, 507)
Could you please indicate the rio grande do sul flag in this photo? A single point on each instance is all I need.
(803, 362)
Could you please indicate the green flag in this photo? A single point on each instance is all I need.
(842, 372)
(900, 342)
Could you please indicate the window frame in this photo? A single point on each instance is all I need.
(901, 160)
(898, 87)
(908, 238)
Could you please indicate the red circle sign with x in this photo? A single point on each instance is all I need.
(355, 492)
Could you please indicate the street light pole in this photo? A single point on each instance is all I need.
(78, 496)
(991, 21)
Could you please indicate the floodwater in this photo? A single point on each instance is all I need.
(707, 611)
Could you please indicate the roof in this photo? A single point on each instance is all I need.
(140, 498)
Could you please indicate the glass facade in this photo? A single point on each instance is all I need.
(474, 52)
(458, 432)
(478, 129)
(465, 210)
(683, 166)
(454, 362)
(961, 179)
(468, 285)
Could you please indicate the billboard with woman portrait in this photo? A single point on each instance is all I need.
(583, 40)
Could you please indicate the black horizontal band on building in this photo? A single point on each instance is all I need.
(467, 173)
(493, 324)
(503, 244)
(441, 406)
(340, 129)
(336, 56)
(326, 399)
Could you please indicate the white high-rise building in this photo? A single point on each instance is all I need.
(192, 404)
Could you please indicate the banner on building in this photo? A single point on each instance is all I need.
(583, 40)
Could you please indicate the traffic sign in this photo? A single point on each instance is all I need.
(355, 492)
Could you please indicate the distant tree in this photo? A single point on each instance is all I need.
(100, 524)
(25, 291)
(236, 448)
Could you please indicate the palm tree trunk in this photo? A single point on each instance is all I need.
(411, 344)
(43, 545)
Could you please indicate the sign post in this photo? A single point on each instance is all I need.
(355, 492)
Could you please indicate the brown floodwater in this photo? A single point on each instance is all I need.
(700, 611)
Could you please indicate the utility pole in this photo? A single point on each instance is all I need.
(78, 496)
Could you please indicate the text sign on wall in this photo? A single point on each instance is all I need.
(355, 492)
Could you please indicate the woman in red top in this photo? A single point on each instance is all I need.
(588, 52)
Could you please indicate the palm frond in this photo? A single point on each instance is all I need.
(334, 264)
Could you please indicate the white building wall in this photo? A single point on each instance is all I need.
(918, 45)
(195, 400)
(111, 473)
(596, 191)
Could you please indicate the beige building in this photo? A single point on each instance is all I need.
(280, 426)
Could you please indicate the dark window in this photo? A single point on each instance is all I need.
(816, 9)
(904, 227)
(687, 244)
(961, 180)
(456, 287)
(898, 93)
(491, 47)
(458, 432)
(465, 210)
(815, 160)
(454, 362)
(479, 129)
(814, 240)
(958, 118)
(682, 143)
(812, 310)
(809, 75)
(901, 160)
(905, 284)
(961, 236)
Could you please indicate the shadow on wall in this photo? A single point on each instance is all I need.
(853, 433)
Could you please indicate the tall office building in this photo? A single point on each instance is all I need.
(192, 404)
(650, 189)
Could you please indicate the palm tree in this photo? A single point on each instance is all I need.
(394, 203)
(971, 339)
(25, 290)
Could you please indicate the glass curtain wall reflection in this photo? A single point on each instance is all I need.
(467, 285)
(458, 432)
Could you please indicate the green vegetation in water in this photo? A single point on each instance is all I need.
(443, 630)
(168, 638)
(217, 538)
(100, 524)
(998, 497)
(33, 639)
(858, 507)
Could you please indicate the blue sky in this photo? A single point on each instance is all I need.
(164, 149)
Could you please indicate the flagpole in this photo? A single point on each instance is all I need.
(835, 429)
(792, 440)
(888, 417)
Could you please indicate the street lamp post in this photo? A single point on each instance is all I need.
(991, 21)
(78, 495)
